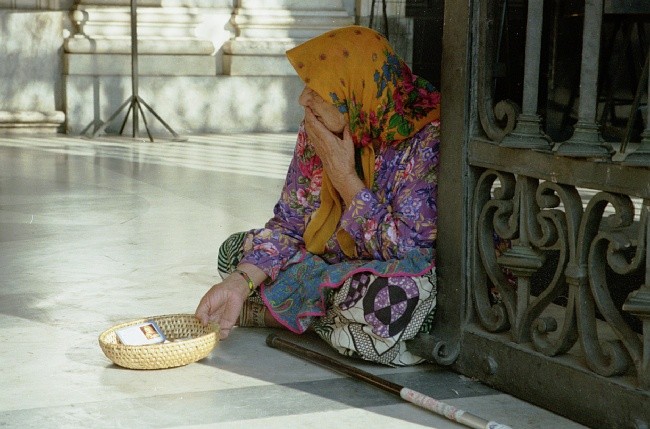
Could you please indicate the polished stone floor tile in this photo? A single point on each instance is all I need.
(98, 232)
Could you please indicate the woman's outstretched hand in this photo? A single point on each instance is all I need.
(223, 303)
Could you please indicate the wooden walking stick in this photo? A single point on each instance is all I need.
(417, 398)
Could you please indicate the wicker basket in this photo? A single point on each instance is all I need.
(201, 341)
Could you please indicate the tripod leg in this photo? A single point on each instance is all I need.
(125, 118)
(135, 101)
(144, 119)
(153, 112)
(113, 116)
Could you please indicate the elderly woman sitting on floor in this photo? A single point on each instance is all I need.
(350, 250)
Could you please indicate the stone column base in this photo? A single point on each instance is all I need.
(26, 122)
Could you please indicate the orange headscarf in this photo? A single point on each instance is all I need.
(357, 70)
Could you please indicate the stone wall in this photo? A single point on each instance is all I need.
(202, 65)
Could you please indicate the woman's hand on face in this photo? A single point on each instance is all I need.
(223, 303)
(337, 155)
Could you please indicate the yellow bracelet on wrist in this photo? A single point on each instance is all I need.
(251, 285)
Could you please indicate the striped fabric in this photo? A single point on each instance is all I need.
(230, 253)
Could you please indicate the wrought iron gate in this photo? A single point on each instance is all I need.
(559, 313)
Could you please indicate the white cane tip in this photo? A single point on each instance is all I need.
(495, 425)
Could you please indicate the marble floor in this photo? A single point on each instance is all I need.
(97, 232)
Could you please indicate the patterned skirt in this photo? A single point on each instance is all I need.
(366, 309)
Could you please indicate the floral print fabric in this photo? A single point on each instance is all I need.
(368, 301)
(357, 70)
(369, 316)
(393, 226)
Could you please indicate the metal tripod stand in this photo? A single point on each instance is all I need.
(135, 102)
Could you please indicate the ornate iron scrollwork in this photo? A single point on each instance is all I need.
(606, 250)
(537, 219)
(446, 353)
(558, 230)
(493, 213)
(504, 112)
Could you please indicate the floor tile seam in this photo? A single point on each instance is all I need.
(253, 147)
(217, 154)
(195, 146)
(253, 140)
(190, 150)
(259, 171)
(211, 151)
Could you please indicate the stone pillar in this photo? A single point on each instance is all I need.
(266, 29)
(31, 99)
